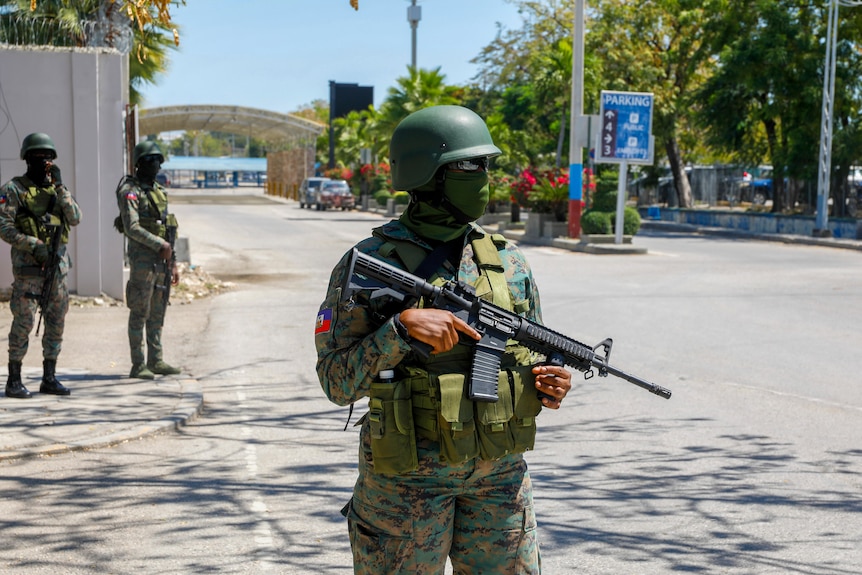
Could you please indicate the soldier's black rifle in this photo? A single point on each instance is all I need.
(171, 238)
(495, 324)
(50, 269)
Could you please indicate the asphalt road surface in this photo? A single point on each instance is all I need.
(754, 466)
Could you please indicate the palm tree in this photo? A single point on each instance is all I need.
(419, 89)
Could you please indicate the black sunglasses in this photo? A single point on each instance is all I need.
(471, 165)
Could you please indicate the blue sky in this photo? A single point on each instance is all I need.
(280, 55)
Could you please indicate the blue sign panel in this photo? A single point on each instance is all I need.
(626, 128)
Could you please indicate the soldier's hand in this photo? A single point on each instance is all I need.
(165, 251)
(56, 176)
(553, 381)
(40, 252)
(436, 327)
(175, 276)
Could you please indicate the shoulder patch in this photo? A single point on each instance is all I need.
(131, 195)
(2, 199)
(324, 321)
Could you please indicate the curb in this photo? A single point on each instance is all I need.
(674, 227)
(189, 406)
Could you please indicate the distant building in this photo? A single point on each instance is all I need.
(204, 172)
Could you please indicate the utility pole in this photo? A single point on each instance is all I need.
(414, 14)
(825, 165)
(576, 151)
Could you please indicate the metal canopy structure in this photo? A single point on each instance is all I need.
(262, 124)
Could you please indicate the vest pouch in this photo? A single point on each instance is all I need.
(527, 407)
(390, 423)
(495, 436)
(458, 441)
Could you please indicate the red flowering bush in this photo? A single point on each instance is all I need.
(521, 187)
(373, 177)
(339, 173)
(546, 191)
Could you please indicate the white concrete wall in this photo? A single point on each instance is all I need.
(76, 96)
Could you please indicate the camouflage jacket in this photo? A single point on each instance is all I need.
(11, 202)
(356, 339)
(144, 212)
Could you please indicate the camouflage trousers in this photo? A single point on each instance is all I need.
(146, 310)
(479, 514)
(24, 315)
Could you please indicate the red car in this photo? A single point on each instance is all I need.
(337, 194)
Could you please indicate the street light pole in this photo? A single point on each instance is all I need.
(825, 164)
(414, 14)
(576, 152)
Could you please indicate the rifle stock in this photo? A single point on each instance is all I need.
(496, 325)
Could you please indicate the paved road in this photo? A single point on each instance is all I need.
(752, 467)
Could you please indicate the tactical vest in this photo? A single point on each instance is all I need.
(38, 212)
(429, 399)
(153, 215)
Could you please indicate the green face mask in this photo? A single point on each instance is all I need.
(468, 192)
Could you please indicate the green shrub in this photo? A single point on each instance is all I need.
(401, 198)
(631, 221)
(595, 222)
(382, 196)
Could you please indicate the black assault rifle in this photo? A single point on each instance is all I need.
(51, 267)
(171, 238)
(495, 324)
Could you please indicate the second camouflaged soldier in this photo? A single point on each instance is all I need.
(146, 222)
(33, 207)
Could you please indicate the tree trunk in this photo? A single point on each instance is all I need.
(680, 180)
(778, 195)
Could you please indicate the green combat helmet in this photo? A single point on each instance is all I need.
(147, 148)
(432, 137)
(37, 141)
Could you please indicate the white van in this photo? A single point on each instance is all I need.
(308, 191)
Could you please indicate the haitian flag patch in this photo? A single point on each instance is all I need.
(131, 195)
(324, 321)
(2, 199)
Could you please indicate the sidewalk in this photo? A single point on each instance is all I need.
(102, 410)
(106, 407)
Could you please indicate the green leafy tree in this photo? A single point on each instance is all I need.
(419, 89)
(762, 103)
(525, 79)
(663, 47)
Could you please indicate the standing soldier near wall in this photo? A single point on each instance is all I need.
(145, 220)
(36, 213)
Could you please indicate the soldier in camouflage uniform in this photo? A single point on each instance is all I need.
(31, 208)
(145, 220)
(439, 475)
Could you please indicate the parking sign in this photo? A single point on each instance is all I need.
(626, 128)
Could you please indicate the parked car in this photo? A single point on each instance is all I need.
(308, 191)
(329, 194)
(163, 179)
(342, 198)
(761, 186)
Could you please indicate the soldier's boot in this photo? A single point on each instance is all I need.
(14, 386)
(141, 371)
(162, 368)
(50, 384)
